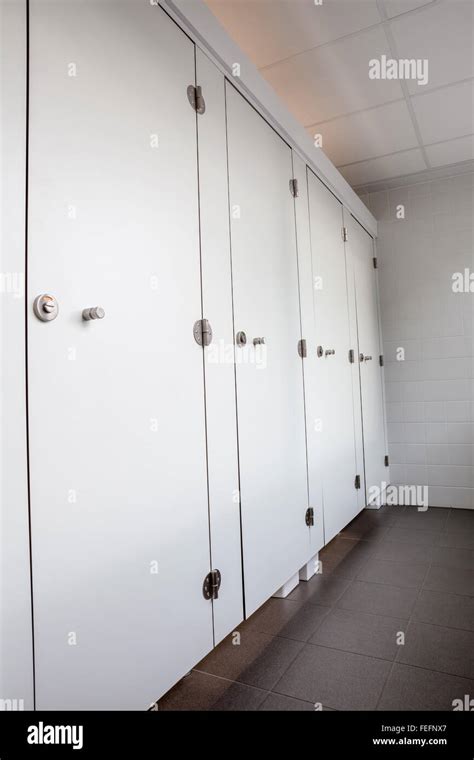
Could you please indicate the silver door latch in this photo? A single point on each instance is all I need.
(330, 352)
(241, 338)
(93, 312)
(259, 341)
(46, 307)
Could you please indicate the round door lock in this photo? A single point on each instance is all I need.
(46, 307)
(361, 357)
(320, 351)
(241, 339)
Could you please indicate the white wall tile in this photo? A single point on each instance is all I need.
(437, 453)
(461, 498)
(449, 475)
(435, 411)
(414, 432)
(431, 393)
(414, 453)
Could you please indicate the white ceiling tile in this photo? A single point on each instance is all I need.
(441, 33)
(396, 7)
(367, 134)
(446, 113)
(451, 152)
(333, 80)
(384, 167)
(271, 30)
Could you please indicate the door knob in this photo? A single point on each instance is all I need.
(361, 357)
(46, 307)
(259, 341)
(93, 312)
(320, 351)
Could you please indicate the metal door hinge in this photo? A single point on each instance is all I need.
(309, 518)
(294, 190)
(357, 481)
(302, 348)
(196, 99)
(375, 262)
(202, 332)
(345, 236)
(386, 460)
(381, 362)
(211, 585)
(351, 356)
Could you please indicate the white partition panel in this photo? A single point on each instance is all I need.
(120, 531)
(334, 396)
(16, 650)
(361, 249)
(356, 379)
(270, 403)
(312, 378)
(224, 499)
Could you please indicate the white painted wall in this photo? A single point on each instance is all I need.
(430, 395)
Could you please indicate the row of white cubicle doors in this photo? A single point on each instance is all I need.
(155, 460)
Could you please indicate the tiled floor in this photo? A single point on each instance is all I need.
(388, 625)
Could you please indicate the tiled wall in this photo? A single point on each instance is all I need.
(430, 395)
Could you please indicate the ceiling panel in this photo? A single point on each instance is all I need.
(333, 80)
(396, 7)
(451, 152)
(441, 33)
(271, 30)
(446, 113)
(367, 134)
(385, 167)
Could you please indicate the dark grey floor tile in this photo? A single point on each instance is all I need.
(395, 551)
(239, 697)
(424, 537)
(458, 539)
(461, 518)
(378, 599)
(200, 691)
(403, 574)
(371, 635)
(323, 589)
(414, 520)
(451, 579)
(341, 680)
(436, 648)
(386, 515)
(365, 530)
(278, 702)
(459, 558)
(287, 618)
(345, 557)
(410, 688)
(445, 609)
(343, 546)
(259, 660)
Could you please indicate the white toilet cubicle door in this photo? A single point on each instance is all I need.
(273, 478)
(119, 508)
(224, 502)
(335, 404)
(362, 252)
(312, 376)
(355, 366)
